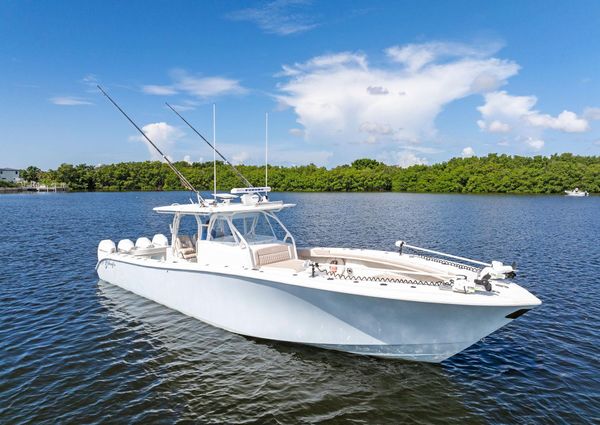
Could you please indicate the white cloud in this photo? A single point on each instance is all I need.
(375, 128)
(281, 17)
(468, 152)
(498, 127)
(197, 86)
(331, 98)
(421, 149)
(187, 159)
(206, 86)
(534, 144)
(374, 131)
(186, 105)
(291, 156)
(280, 153)
(377, 90)
(298, 132)
(162, 134)
(69, 101)
(91, 81)
(494, 127)
(159, 90)
(504, 111)
(240, 157)
(182, 108)
(335, 60)
(403, 158)
(592, 114)
(566, 121)
(416, 56)
(504, 105)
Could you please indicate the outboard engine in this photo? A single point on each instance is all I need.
(105, 248)
(143, 242)
(125, 245)
(160, 240)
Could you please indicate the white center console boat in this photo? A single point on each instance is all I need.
(240, 270)
(576, 192)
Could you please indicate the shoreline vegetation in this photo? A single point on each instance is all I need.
(490, 174)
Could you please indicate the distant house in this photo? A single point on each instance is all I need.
(9, 175)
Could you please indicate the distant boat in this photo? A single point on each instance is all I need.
(576, 192)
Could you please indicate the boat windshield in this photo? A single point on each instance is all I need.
(221, 232)
(258, 228)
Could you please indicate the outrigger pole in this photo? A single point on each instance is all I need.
(182, 178)
(240, 175)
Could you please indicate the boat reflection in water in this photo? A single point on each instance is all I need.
(216, 374)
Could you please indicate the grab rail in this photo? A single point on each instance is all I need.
(402, 244)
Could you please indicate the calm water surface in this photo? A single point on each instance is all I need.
(76, 350)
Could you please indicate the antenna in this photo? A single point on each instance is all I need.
(185, 182)
(266, 149)
(240, 175)
(215, 147)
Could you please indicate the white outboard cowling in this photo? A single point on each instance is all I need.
(125, 245)
(105, 248)
(142, 243)
(160, 240)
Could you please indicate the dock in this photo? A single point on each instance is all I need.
(36, 187)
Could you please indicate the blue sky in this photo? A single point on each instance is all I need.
(402, 82)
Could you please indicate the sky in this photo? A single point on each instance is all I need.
(403, 82)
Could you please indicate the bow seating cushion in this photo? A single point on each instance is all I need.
(272, 254)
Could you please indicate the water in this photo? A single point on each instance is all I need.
(76, 350)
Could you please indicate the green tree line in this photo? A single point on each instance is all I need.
(490, 174)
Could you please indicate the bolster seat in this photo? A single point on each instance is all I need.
(185, 247)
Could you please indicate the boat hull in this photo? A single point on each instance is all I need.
(392, 328)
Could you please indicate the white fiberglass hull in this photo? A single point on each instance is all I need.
(268, 309)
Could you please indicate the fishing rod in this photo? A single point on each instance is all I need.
(182, 178)
(240, 175)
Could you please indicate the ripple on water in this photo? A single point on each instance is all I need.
(78, 350)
